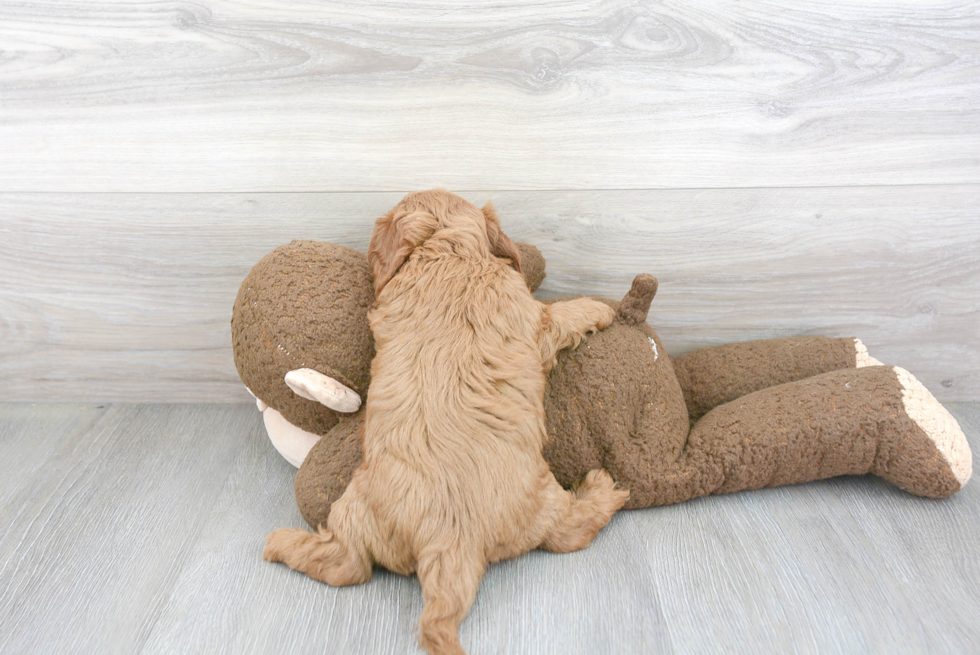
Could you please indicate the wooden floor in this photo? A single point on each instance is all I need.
(139, 528)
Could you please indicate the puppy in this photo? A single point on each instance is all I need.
(453, 476)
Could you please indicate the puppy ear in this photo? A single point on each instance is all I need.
(500, 244)
(394, 238)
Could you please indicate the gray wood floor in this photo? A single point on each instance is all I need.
(139, 528)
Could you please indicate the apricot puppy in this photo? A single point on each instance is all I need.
(453, 476)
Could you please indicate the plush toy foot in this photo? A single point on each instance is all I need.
(935, 460)
(861, 356)
(874, 419)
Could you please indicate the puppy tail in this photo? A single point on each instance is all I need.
(449, 577)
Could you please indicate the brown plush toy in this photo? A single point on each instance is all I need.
(716, 420)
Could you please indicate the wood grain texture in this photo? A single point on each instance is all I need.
(91, 543)
(532, 604)
(138, 529)
(300, 96)
(127, 297)
(848, 565)
(28, 435)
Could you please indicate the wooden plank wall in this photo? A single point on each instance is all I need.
(783, 168)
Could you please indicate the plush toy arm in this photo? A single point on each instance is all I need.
(328, 468)
(712, 376)
(323, 389)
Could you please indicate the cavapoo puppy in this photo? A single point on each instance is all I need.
(453, 476)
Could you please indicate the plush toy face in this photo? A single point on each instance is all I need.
(304, 306)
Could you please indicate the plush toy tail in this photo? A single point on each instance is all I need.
(636, 304)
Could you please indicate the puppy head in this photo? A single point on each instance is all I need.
(419, 216)
(395, 236)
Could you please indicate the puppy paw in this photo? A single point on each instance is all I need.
(606, 316)
(599, 485)
(595, 315)
(283, 542)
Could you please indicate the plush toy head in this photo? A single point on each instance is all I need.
(304, 306)
(272, 333)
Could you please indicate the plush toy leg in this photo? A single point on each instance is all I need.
(877, 420)
(713, 376)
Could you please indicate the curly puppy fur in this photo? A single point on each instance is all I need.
(453, 476)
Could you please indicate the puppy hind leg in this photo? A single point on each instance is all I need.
(319, 555)
(336, 555)
(449, 579)
(584, 512)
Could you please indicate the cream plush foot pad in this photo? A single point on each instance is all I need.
(862, 357)
(938, 424)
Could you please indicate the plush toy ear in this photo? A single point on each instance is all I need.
(500, 244)
(532, 265)
(394, 238)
